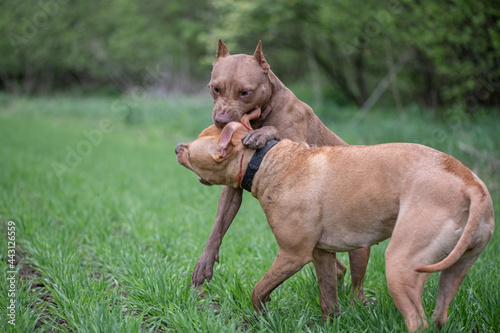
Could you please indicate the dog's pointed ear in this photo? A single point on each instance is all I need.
(222, 50)
(259, 56)
(226, 137)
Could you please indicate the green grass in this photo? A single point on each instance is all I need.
(106, 240)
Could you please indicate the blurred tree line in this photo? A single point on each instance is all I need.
(397, 52)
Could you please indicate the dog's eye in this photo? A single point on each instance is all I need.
(216, 90)
(245, 93)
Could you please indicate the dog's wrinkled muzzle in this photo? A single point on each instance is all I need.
(181, 150)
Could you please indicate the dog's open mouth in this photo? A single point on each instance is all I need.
(204, 182)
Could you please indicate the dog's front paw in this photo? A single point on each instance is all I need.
(257, 139)
(254, 140)
(259, 303)
(203, 270)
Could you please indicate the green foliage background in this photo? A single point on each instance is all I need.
(438, 54)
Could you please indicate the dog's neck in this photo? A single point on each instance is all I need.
(276, 87)
(254, 164)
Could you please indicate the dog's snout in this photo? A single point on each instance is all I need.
(179, 147)
(224, 115)
(221, 120)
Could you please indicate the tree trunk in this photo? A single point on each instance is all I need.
(360, 78)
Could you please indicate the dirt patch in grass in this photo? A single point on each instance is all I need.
(30, 276)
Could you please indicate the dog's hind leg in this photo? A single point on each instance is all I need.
(405, 287)
(452, 277)
(449, 282)
(326, 271)
(284, 266)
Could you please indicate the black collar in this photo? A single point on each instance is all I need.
(254, 165)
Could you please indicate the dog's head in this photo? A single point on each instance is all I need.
(239, 84)
(215, 155)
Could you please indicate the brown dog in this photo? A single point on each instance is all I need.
(240, 84)
(438, 213)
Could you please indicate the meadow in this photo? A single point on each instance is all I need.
(108, 227)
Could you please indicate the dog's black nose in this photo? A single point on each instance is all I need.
(178, 148)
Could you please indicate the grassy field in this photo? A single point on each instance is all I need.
(108, 227)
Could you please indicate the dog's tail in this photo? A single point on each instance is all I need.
(478, 204)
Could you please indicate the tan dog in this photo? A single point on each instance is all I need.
(438, 213)
(239, 84)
